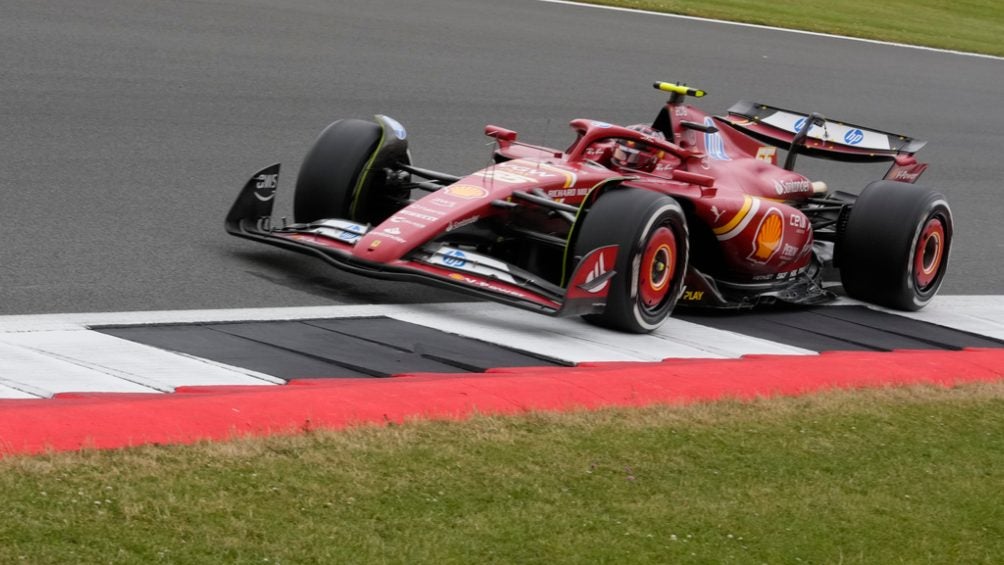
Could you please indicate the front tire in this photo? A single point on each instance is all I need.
(331, 171)
(650, 230)
(894, 249)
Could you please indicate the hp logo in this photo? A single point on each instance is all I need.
(854, 137)
(455, 258)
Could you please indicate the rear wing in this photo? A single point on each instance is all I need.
(826, 138)
(814, 135)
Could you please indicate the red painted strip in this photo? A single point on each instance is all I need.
(70, 422)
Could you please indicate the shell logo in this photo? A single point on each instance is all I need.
(467, 191)
(768, 236)
(456, 277)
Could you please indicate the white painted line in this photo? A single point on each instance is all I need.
(982, 315)
(7, 392)
(724, 343)
(572, 339)
(772, 28)
(82, 360)
(554, 338)
(975, 314)
(41, 375)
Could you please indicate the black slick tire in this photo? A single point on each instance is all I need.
(894, 249)
(330, 174)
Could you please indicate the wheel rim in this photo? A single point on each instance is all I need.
(658, 267)
(929, 254)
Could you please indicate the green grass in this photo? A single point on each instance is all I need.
(890, 476)
(966, 25)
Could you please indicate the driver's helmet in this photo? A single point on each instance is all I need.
(638, 155)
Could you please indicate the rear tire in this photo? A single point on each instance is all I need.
(650, 230)
(894, 249)
(330, 174)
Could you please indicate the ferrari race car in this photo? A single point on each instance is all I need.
(625, 222)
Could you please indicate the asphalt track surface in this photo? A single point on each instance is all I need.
(128, 126)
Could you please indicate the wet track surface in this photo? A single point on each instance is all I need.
(129, 127)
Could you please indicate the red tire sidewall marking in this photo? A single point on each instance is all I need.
(929, 253)
(654, 283)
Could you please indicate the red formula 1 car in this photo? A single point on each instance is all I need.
(627, 221)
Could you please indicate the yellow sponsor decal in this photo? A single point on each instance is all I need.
(768, 154)
(743, 212)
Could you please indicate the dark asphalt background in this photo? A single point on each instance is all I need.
(129, 126)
